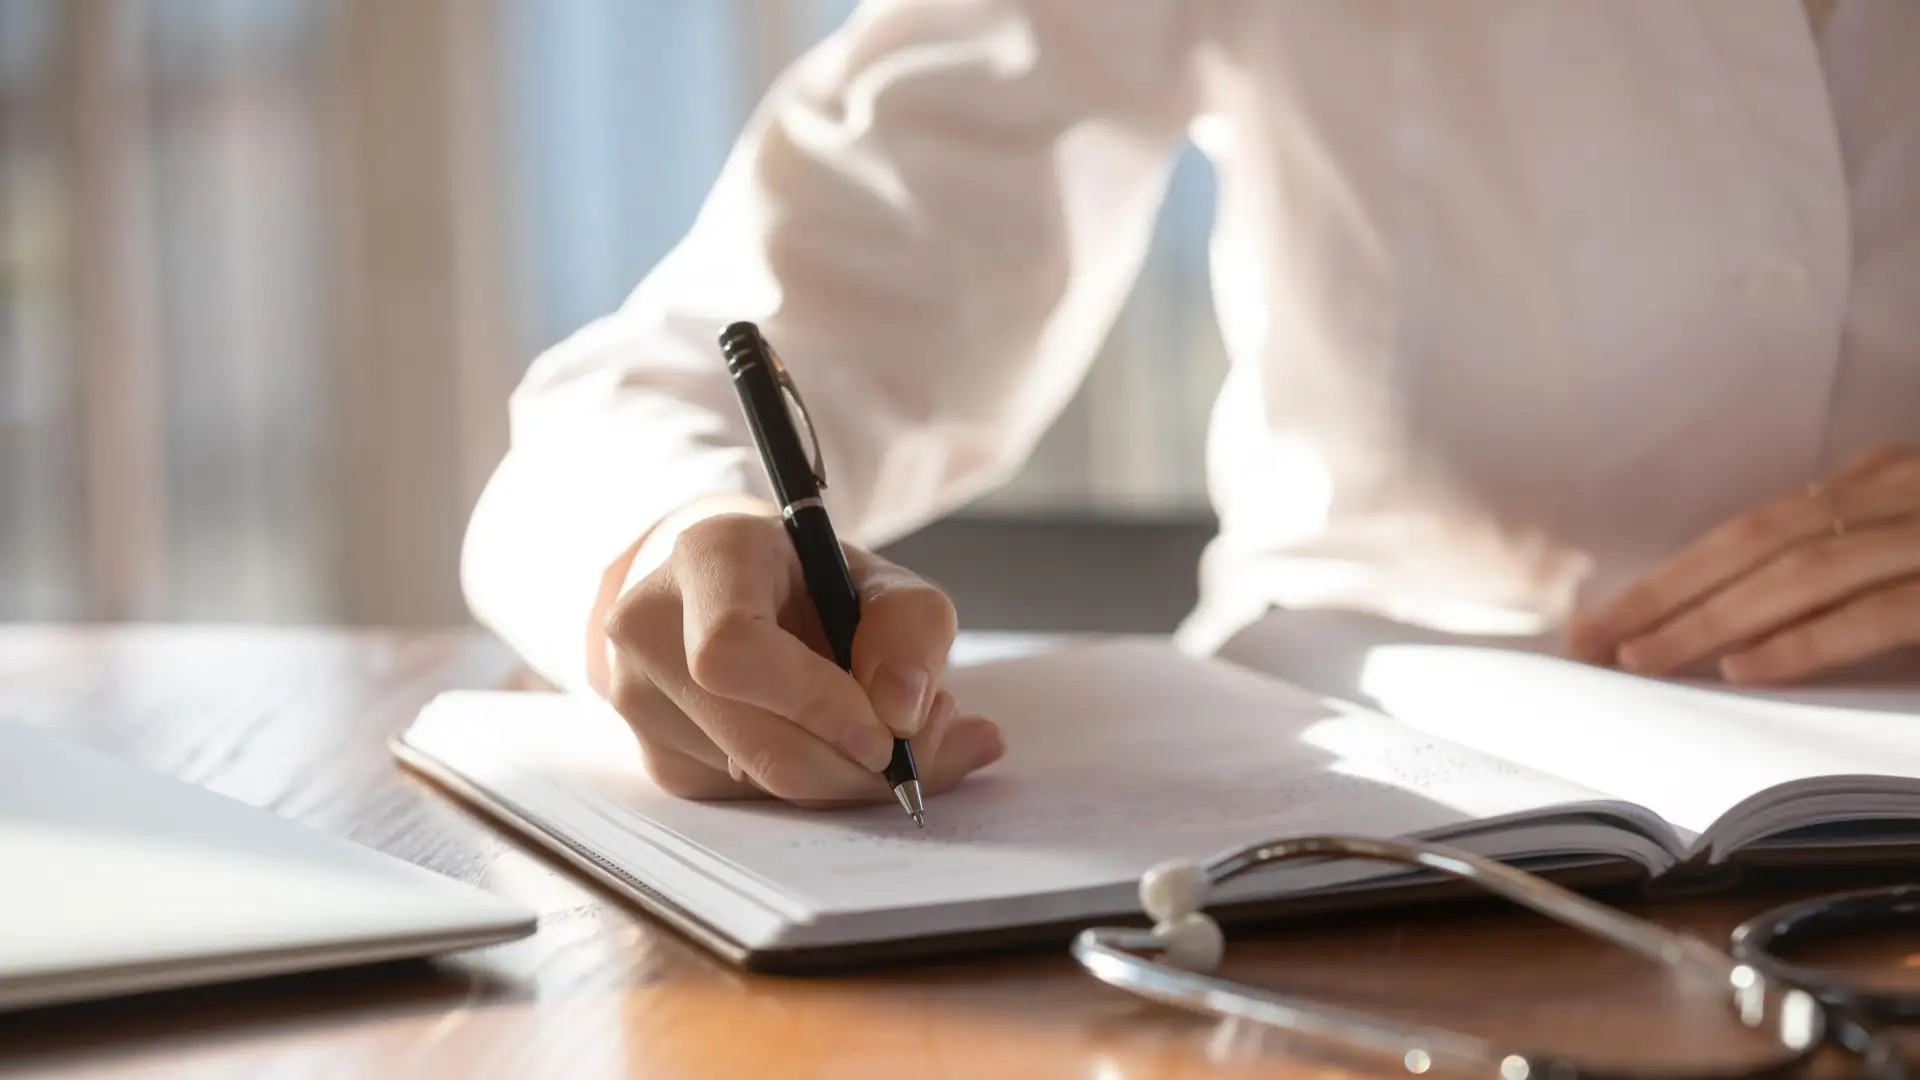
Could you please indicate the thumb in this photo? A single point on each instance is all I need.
(900, 650)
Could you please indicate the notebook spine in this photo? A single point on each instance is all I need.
(1698, 876)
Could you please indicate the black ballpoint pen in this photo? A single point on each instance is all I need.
(770, 400)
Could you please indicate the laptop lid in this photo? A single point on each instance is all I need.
(115, 879)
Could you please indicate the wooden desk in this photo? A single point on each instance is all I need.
(297, 721)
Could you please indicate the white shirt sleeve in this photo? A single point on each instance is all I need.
(934, 217)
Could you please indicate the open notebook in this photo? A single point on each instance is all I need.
(1126, 752)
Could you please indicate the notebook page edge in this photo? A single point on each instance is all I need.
(1834, 799)
(664, 884)
(696, 857)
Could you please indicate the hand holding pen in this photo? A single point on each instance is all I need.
(723, 667)
(774, 411)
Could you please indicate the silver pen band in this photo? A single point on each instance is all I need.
(798, 505)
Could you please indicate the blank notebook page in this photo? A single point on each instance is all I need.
(1690, 753)
(1119, 755)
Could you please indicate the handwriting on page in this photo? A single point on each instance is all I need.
(1119, 756)
(1032, 828)
(1156, 803)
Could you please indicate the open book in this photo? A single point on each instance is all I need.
(1125, 752)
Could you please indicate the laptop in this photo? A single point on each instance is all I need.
(115, 879)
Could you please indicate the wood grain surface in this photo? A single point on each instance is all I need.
(297, 721)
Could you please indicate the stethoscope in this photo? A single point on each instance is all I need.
(1798, 1010)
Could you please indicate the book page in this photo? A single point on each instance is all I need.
(1689, 751)
(1119, 755)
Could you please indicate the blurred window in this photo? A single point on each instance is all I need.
(233, 370)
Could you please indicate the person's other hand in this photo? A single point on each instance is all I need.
(1810, 582)
(718, 661)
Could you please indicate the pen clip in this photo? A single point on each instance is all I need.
(797, 406)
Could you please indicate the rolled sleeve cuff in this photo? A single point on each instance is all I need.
(553, 520)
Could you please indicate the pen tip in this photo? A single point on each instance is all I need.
(908, 792)
(920, 820)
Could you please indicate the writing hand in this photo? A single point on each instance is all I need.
(720, 665)
(1812, 581)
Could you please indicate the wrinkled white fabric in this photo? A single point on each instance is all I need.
(1518, 296)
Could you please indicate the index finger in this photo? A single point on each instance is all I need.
(737, 649)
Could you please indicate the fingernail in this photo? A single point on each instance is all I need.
(1634, 658)
(871, 747)
(899, 695)
(1738, 669)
